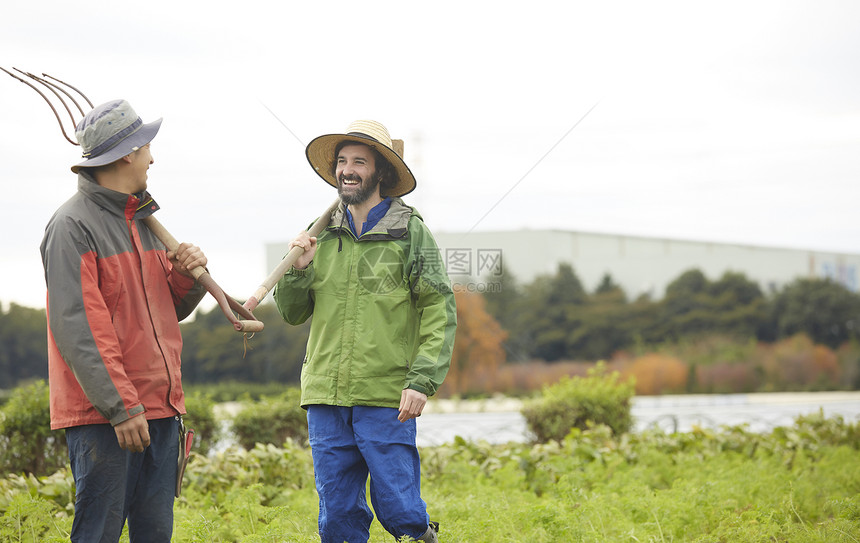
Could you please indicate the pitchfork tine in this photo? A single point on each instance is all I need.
(61, 89)
(42, 94)
(51, 88)
(71, 87)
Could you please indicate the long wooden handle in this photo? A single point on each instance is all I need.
(169, 241)
(288, 261)
(201, 275)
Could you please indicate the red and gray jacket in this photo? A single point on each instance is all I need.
(114, 306)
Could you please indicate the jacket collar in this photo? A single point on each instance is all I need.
(393, 225)
(128, 206)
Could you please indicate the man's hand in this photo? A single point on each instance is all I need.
(309, 244)
(133, 434)
(412, 404)
(186, 258)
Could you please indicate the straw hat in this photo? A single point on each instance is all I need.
(320, 153)
(111, 131)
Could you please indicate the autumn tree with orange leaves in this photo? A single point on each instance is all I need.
(478, 351)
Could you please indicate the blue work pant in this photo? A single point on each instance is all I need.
(347, 444)
(113, 484)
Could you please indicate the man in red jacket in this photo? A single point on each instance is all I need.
(115, 299)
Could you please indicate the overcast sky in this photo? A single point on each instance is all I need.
(720, 121)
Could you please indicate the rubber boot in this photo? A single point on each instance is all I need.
(430, 535)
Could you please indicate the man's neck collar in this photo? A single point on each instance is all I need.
(363, 209)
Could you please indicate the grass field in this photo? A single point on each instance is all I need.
(797, 484)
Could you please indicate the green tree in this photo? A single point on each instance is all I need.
(822, 309)
(554, 318)
(694, 306)
(739, 306)
(213, 351)
(609, 286)
(502, 302)
(644, 322)
(509, 307)
(605, 323)
(23, 338)
(553, 312)
(685, 308)
(736, 288)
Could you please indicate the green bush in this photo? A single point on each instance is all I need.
(581, 402)
(200, 417)
(233, 391)
(272, 419)
(27, 443)
(282, 468)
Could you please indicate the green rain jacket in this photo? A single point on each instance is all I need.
(383, 311)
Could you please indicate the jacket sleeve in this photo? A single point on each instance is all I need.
(437, 311)
(293, 295)
(186, 292)
(79, 322)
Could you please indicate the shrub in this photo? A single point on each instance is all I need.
(200, 416)
(281, 468)
(272, 419)
(233, 391)
(727, 378)
(797, 363)
(849, 363)
(580, 402)
(658, 374)
(27, 443)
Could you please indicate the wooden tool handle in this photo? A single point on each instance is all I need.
(169, 241)
(225, 302)
(288, 261)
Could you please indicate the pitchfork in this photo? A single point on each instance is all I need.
(225, 302)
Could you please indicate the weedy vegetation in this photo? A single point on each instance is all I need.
(597, 483)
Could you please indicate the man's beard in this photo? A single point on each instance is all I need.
(361, 194)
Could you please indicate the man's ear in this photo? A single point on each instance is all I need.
(127, 158)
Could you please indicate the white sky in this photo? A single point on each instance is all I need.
(721, 121)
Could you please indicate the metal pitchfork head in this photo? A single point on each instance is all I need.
(54, 89)
(225, 302)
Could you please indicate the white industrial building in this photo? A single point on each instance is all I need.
(640, 265)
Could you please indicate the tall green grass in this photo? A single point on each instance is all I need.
(794, 484)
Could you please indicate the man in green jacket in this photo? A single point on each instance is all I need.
(380, 341)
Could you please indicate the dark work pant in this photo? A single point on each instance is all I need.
(113, 484)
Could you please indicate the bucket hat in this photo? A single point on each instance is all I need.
(111, 131)
(320, 153)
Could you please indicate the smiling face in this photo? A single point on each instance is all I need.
(355, 171)
(128, 174)
(140, 162)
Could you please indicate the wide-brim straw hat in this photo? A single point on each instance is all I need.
(111, 131)
(320, 153)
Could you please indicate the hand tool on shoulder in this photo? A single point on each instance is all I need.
(225, 302)
(288, 261)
